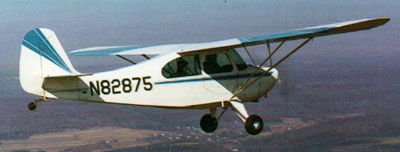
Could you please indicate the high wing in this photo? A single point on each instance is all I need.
(310, 32)
(128, 50)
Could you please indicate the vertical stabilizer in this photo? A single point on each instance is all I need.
(42, 56)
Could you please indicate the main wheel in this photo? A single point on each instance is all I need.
(254, 124)
(208, 123)
(32, 106)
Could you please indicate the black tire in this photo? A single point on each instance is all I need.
(208, 123)
(32, 106)
(254, 124)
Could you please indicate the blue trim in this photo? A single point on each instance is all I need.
(107, 51)
(48, 44)
(36, 41)
(279, 35)
(212, 78)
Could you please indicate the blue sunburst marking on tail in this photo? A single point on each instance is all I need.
(36, 41)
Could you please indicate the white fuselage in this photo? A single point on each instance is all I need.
(143, 84)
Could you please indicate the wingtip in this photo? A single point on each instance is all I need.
(371, 23)
(382, 19)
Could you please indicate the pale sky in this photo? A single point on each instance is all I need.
(86, 23)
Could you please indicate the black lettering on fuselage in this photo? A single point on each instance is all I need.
(105, 87)
(150, 86)
(118, 86)
(115, 85)
(94, 88)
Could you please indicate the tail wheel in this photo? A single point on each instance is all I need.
(32, 106)
(208, 123)
(254, 124)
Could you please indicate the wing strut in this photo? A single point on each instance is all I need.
(269, 53)
(126, 59)
(145, 56)
(130, 61)
(258, 68)
(248, 53)
(247, 84)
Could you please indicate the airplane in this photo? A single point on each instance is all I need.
(207, 75)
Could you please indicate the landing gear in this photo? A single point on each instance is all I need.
(32, 106)
(208, 123)
(254, 124)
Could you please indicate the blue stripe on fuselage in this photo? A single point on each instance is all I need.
(227, 77)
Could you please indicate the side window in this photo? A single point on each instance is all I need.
(217, 63)
(183, 66)
(240, 64)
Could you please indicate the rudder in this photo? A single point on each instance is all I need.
(42, 56)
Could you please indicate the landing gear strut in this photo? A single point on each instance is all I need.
(253, 124)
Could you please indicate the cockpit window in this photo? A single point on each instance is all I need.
(240, 64)
(183, 66)
(217, 63)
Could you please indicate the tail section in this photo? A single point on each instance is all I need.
(42, 56)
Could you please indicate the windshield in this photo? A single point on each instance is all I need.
(217, 63)
(240, 64)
